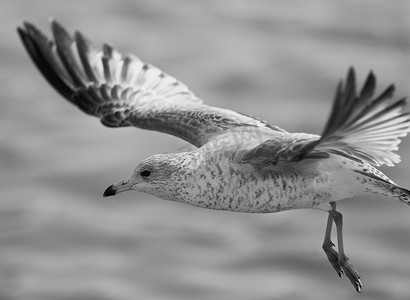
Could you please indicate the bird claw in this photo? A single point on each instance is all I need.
(333, 258)
(352, 274)
(339, 260)
(342, 267)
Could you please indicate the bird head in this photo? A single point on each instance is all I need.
(153, 175)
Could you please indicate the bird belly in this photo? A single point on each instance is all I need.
(277, 192)
(234, 187)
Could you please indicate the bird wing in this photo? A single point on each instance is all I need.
(123, 90)
(360, 127)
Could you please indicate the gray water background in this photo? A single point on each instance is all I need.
(278, 60)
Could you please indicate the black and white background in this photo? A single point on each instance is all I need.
(278, 60)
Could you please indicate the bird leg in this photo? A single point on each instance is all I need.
(328, 245)
(339, 260)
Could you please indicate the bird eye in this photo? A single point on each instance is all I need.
(145, 173)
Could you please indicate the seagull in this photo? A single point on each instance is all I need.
(238, 162)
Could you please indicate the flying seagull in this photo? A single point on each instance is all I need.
(240, 163)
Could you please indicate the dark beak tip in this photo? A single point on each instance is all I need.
(109, 191)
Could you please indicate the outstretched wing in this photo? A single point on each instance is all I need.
(360, 127)
(123, 90)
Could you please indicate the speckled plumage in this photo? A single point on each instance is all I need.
(214, 177)
(241, 163)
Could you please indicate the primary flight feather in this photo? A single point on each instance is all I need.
(241, 163)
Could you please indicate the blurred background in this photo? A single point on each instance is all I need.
(278, 60)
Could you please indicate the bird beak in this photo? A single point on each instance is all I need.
(117, 188)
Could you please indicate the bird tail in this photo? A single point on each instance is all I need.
(399, 193)
(378, 183)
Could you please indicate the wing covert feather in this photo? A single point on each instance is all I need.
(123, 90)
(360, 127)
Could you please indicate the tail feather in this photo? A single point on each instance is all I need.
(378, 183)
(402, 194)
(396, 192)
(364, 128)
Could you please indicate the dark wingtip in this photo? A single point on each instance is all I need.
(55, 24)
(59, 32)
(22, 27)
(351, 76)
(369, 87)
(27, 24)
(109, 191)
(20, 31)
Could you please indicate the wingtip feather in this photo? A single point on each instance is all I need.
(369, 87)
(369, 129)
(61, 36)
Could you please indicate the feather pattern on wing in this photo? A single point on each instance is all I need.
(360, 127)
(363, 127)
(123, 90)
(284, 148)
